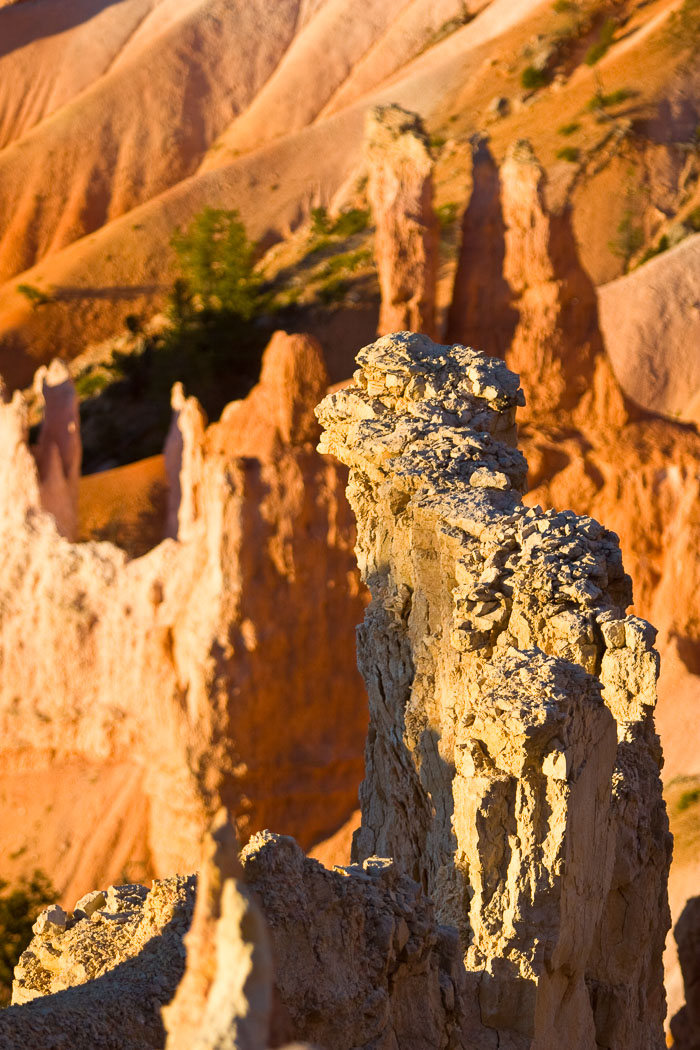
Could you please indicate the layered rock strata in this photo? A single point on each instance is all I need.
(138, 695)
(400, 191)
(511, 766)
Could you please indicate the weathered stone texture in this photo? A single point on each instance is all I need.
(360, 960)
(400, 191)
(225, 997)
(495, 775)
(219, 667)
(512, 769)
(99, 979)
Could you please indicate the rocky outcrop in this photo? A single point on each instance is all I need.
(512, 770)
(98, 976)
(400, 191)
(540, 312)
(529, 809)
(225, 997)
(481, 313)
(138, 695)
(360, 961)
(685, 1026)
(59, 451)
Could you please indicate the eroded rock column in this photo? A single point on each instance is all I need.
(400, 190)
(499, 773)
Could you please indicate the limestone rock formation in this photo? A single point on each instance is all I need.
(587, 447)
(98, 977)
(540, 313)
(360, 961)
(59, 450)
(512, 771)
(138, 695)
(225, 997)
(481, 312)
(685, 1026)
(494, 773)
(400, 191)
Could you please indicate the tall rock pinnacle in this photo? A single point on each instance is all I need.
(511, 765)
(400, 190)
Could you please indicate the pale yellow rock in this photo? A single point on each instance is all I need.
(511, 763)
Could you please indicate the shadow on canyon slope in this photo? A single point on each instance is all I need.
(24, 23)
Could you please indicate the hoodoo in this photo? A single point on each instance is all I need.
(512, 765)
(509, 879)
(400, 190)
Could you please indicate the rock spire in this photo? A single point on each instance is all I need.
(400, 191)
(511, 765)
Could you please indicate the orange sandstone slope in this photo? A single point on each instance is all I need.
(95, 176)
(104, 157)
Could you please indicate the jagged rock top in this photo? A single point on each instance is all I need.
(113, 962)
(105, 929)
(410, 375)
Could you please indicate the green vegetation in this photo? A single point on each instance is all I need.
(449, 27)
(605, 101)
(602, 44)
(570, 153)
(212, 345)
(91, 382)
(447, 214)
(19, 907)
(35, 295)
(348, 261)
(533, 78)
(333, 290)
(334, 274)
(693, 219)
(688, 799)
(355, 220)
(630, 237)
(662, 245)
(568, 129)
(216, 260)
(347, 223)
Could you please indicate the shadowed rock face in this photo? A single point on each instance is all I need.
(685, 1026)
(521, 289)
(400, 190)
(217, 668)
(98, 977)
(481, 312)
(225, 996)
